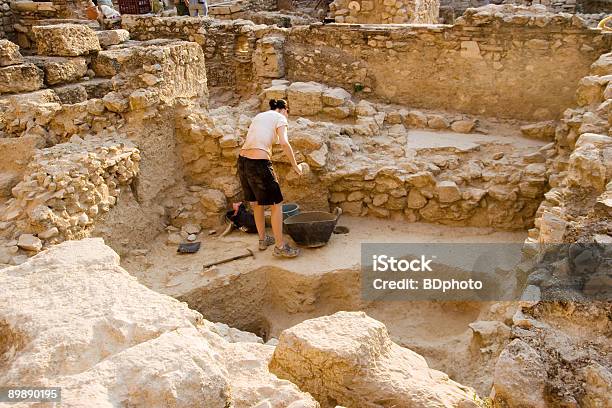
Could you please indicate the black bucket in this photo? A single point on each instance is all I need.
(312, 228)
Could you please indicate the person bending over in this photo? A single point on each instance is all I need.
(257, 177)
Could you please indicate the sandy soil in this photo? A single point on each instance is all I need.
(265, 295)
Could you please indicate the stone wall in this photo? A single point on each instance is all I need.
(518, 63)
(6, 20)
(384, 11)
(453, 9)
(109, 149)
(567, 6)
(228, 45)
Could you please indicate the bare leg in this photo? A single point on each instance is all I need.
(260, 220)
(277, 225)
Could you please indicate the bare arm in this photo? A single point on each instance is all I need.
(281, 132)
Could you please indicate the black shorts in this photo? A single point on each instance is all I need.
(259, 182)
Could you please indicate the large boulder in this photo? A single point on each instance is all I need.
(520, 376)
(72, 317)
(348, 359)
(9, 53)
(65, 40)
(20, 78)
(305, 98)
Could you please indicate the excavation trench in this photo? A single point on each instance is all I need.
(265, 295)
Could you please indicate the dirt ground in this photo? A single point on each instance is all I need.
(266, 295)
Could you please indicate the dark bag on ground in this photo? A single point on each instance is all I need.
(242, 218)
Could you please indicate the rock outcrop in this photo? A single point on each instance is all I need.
(72, 317)
(348, 359)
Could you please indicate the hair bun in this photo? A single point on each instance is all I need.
(273, 104)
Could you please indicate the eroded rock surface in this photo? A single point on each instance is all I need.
(72, 317)
(348, 359)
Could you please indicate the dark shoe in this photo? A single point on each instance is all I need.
(286, 252)
(266, 242)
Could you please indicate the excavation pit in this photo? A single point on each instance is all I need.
(493, 130)
(265, 295)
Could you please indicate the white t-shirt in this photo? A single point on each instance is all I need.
(262, 131)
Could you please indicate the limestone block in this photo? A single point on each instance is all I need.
(112, 37)
(365, 108)
(463, 126)
(470, 50)
(552, 228)
(29, 242)
(115, 102)
(352, 208)
(394, 117)
(269, 57)
(71, 93)
(355, 196)
(213, 200)
(415, 119)
(520, 376)
(590, 91)
(502, 192)
(380, 199)
(416, 199)
(335, 96)
(71, 302)
(541, 130)
(60, 70)
(448, 191)
(318, 158)
(65, 40)
(97, 87)
(588, 167)
(421, 179)
(305, 140)
(305, 98)
(109, 63)
(20, 78)
(357, 365)
(338, 112)
(142, 99)
(9, 53)
(438, 122)
(598, 387)
(603, 65)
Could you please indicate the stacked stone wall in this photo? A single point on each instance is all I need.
(385, 11)
(6, 20)
(511, 63)
(522, 66)
(228, 45)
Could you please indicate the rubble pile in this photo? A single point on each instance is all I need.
(73, 317)
(68, 186)
(561, 331)
(581, 185)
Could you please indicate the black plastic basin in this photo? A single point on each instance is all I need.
(312, 228)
